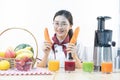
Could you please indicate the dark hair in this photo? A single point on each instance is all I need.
(68, 15)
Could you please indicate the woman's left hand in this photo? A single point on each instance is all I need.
(71, 49)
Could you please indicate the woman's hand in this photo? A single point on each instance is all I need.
(47, 47)
(71, 49)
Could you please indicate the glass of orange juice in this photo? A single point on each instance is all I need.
(106, 67)
(53, 65)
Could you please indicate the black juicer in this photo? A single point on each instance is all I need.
(102, 43)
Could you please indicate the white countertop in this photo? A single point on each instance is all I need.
(78, 74)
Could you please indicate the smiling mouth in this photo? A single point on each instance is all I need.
(60, 31)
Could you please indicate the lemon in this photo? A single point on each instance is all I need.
(2, 54)
(4, 65)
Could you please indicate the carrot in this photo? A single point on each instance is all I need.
(75, 35)
(46, 35)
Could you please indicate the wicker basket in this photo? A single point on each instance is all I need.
(12, 60)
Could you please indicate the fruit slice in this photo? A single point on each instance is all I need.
(24, 64)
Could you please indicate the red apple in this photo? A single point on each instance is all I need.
(10, 53)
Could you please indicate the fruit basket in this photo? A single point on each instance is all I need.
(15, 62)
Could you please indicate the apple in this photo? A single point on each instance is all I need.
(9, 53)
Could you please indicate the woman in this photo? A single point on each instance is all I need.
(63, 22)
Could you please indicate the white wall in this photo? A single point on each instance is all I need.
(34, 15)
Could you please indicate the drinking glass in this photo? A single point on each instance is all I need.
(88, 65)
(53, 65)
(69, 65)
(106, 67)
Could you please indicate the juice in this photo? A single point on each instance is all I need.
(53, 65)
(88, 66)
(106, 67)
(70, 65)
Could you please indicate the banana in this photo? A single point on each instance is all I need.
(24, 54)
(23, 51)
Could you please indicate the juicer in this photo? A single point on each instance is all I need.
(102, 43)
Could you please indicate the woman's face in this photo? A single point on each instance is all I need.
(61, 26)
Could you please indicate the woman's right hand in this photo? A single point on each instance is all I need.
(47, 47)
